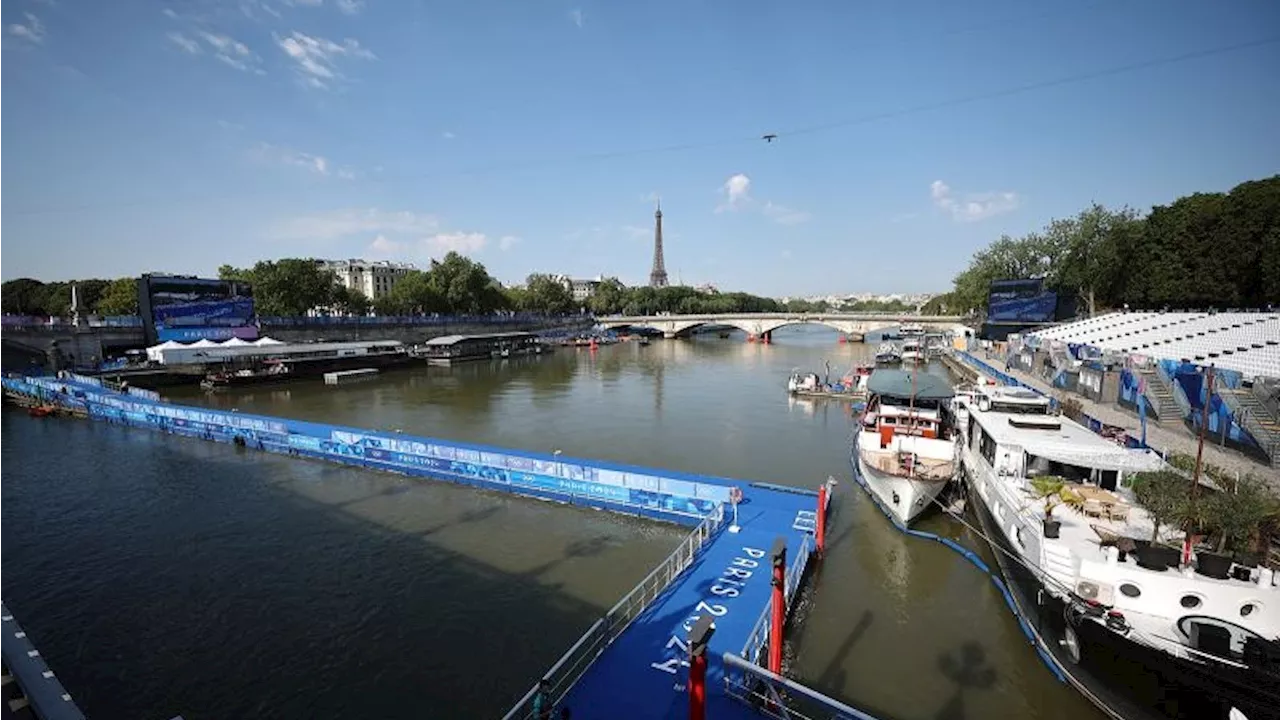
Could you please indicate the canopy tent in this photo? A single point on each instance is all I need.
(156, 352)
(203, 343)
(1102, 455)
(267, 341)
(903, 384)
(235, 342)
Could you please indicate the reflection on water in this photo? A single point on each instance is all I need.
(322, 591)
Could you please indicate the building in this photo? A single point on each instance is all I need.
(374, 279)
(582, 290)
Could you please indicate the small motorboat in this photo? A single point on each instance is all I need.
(887, 354)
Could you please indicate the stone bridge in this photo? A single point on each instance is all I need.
(762, 325)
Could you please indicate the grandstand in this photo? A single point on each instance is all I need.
(1247, 342)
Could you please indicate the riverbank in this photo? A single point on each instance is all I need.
(1163, 439)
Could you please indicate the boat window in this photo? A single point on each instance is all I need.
(1248, 609)
(1130, 590)
(1190, 602)
(987, 447)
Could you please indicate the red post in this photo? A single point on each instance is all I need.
(766, 338)
(699, 638)
(778, 606)
(820, 535)
(751, 337)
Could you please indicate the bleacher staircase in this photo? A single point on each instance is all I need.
(1254, 417)
(1160, 395)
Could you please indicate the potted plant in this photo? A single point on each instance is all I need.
(1165, 495)
(1236, 514)
(1054, 491)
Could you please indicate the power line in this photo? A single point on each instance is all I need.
(753, 138)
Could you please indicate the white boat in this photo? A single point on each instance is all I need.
(904, 452)
(908, 330)
(1136, 630)
(912, 351)
(887, 354)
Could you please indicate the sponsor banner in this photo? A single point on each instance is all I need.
(145, 394)
(192, 334)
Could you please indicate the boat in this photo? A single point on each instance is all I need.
(888, 354)
(1112, 604)
(911, 330)
(451, 349)
(269, 372)
(852, 386)
(904, 450)
(912, 352)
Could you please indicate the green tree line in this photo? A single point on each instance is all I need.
(1206, 250)
(26, 296)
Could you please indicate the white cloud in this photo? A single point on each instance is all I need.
(784, 215)
(636, 232)
(304, 3)
(974, 206)
(384, 247)
(225, 48)
(33, 30)
(460, 242)
(737, 192)
(447, 135)
(184, 42)
(317, 58)
(577, 18)
(350, 7)
(355, 221)
(506, 242)
(170, 13)
(650, 197)
(318, 164)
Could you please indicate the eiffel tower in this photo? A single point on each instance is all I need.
(658, 275)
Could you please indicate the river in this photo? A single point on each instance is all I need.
(162, 575)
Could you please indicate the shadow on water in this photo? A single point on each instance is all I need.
(301, 608)
(967, 669)
(834, 674)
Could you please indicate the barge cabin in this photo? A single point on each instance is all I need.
(462, 348)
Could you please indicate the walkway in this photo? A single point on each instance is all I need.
(1163, 439)
(643, 673)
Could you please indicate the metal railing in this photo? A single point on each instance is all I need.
(338, 321)
(759, 636)
(777, 697)
(571, 666)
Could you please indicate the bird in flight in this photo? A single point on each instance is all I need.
(768, 138)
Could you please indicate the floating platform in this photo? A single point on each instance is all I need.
(634, 661)
(831, 394)
(343, 377)
(37, 687)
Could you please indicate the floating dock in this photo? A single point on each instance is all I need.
(343, 377)
(33, 684)
(636, 660)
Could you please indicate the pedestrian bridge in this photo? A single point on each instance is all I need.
(761, 325)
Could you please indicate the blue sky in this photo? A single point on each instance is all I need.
(535, 135)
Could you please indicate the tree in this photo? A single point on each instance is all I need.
(609, 297)
(1163, 493)
(23, 296)
(350, 302)
(463, 285)
(1053, 491)
(1081, 260)
(120, 297)
(547, 295)
(292, 287)
(1237, 513)
(415, 293)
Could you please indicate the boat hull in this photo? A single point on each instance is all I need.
(901, 499)
(1125, 679)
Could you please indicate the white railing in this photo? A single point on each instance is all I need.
(759, 635)
(571, 666)
(777, 697)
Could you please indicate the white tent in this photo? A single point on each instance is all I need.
(155, 353)
(267, 341)
(203, 343)
(236, 342)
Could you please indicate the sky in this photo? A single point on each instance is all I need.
(537, 136)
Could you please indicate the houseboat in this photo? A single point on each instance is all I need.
(1143, 626)
(451, 349)
(904, 451)
(912, 351)
(244, 366)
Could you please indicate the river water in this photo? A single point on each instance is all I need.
(162, 575)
